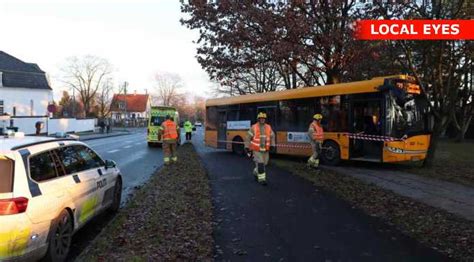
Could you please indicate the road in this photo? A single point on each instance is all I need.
(137, 162)
(291, 220)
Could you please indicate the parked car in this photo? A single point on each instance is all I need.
(49, 188)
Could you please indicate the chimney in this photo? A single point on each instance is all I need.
(135, 92)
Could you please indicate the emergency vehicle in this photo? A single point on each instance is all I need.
(157, 116)
(49, 188)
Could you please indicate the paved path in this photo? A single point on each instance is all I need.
(454, 198)
(290, 220)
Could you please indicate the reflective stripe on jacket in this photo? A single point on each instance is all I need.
(169, 130)
(256, 144)
(318, 132)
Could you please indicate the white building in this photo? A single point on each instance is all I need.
(24, 88)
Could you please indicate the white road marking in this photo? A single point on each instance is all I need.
(113, 151)
(139, 143)
(127, 146)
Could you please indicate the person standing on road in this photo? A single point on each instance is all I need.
(169, 134)
(188, 128)
(316, 137)
(261, 140)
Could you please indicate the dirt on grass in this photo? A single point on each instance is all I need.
(433, 227)
(168, 219)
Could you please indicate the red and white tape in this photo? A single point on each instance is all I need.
(357, 136)
(373, 137)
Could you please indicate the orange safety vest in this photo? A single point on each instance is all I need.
(255, 143)
(169, 130)
(318, 133)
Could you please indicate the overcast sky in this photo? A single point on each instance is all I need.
(139, 37)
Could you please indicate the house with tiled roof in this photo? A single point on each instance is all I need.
(24, 88)
(130, 106)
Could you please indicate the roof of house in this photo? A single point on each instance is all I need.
(134, 102)
(16, 73)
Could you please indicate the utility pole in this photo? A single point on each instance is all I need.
(125, 84)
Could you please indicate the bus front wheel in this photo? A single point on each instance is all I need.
(238, 146)
(331, 154)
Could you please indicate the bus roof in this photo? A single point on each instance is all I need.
(365, 86)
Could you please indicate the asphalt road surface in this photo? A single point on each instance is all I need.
(135, 159)
(291, 220)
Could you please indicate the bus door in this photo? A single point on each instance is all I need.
(366, 120)
(222, 129)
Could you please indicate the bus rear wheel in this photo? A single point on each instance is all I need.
(331, 154)
(238, 146)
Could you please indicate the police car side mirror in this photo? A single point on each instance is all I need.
(110, 164)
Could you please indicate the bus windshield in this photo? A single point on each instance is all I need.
(406, 115)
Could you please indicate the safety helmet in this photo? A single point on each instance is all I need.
(261, 115)
(318, 117)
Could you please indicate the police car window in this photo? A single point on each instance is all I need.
(91, 159)
(6, 175)
(42, 167)
(72, 161)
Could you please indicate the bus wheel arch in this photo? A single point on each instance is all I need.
(238, 146)
(331, 153)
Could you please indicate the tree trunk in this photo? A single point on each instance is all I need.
(462, 131)
(437, 130)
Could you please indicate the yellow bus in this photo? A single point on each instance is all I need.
(157, 116)
(381, 120)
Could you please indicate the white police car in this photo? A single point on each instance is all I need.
(49, 188)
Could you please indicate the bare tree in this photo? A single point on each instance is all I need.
(104, 98)
(86, 75)
(167, 89)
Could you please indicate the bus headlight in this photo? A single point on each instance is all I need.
(395, 150)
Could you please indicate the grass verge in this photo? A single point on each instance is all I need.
(168, 219)
(433, 227)
(454, 162)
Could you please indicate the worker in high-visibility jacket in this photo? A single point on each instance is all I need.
(188, 129)
(316, 137)
(260, 140)
(169, 134)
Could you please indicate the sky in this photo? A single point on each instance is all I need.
(138, 37)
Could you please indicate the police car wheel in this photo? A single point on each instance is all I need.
(60, 237)
(117, 196)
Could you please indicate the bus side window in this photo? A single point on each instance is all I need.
(211, 118)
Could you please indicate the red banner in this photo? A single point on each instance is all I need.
(415, 30)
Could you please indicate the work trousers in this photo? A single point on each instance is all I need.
(261, 158)
(189, 135)
(169, 151)
(314, 159)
